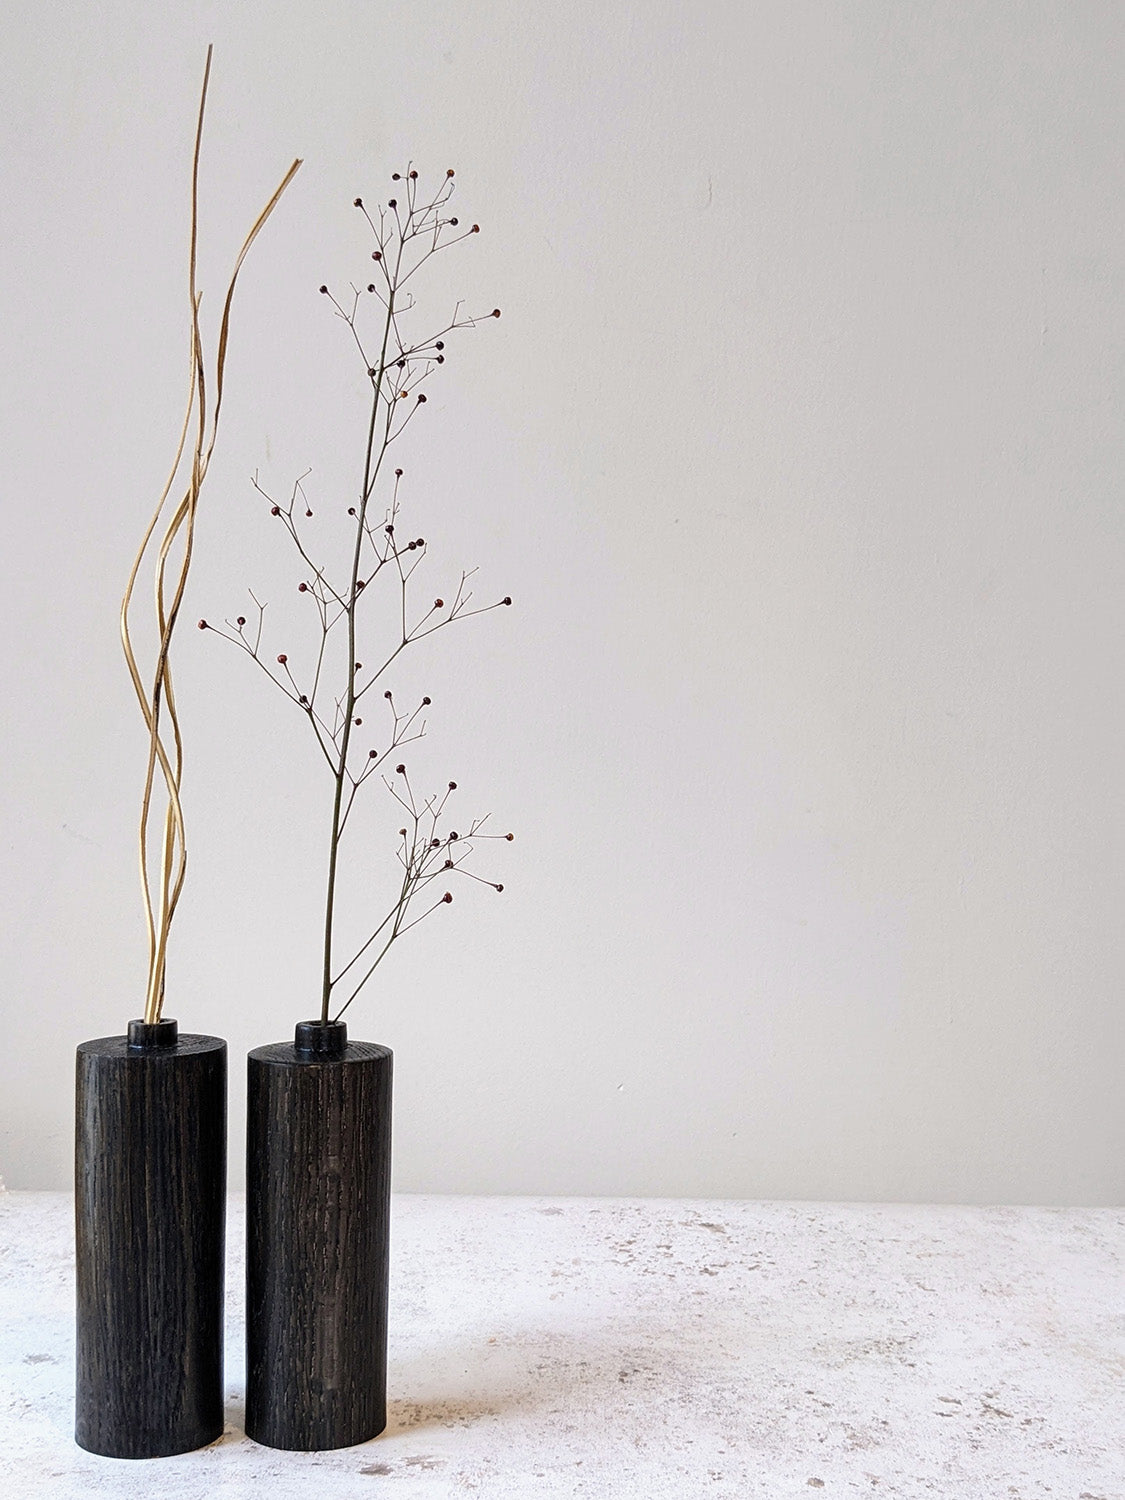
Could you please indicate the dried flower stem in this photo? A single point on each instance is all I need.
(406, 236)
(167, 872)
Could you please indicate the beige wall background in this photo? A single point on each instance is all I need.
(799, 446)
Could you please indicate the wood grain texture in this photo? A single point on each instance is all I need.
(150, 1204)
(318, 1215)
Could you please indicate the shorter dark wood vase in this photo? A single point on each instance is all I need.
(318, 1174)
(150, 1205)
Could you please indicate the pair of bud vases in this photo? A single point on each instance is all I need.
(150, 1203)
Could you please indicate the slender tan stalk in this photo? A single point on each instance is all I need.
(162, 880)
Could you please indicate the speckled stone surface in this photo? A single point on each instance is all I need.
(603, 1348)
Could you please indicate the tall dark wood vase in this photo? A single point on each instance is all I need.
(150, 1203)
(318, 1174)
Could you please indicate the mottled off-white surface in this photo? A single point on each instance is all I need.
(606, 1348)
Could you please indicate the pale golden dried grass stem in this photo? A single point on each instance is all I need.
(162, 881)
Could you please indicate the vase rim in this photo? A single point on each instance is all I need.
(321, 1038)
(143, 1036)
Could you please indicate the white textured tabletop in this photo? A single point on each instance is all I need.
(619, 1348)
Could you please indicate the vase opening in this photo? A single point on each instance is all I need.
(144, 1036)
(319, 1039)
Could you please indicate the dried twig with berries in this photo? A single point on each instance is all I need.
(408, 232)
(163, 869)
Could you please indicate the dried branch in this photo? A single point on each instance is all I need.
(407, 233)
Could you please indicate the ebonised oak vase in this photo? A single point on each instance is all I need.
(150, 1204)
(317, 1239)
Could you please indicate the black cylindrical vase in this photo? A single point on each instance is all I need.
(318, 1174)
(150, 1204)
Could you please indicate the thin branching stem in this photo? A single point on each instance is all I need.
(406, 234)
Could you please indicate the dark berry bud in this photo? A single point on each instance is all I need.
(359, 666)
(283, 658)
(275, 510)
(324, 289)
(412, 546)
(376, 255)
(400, 364)
(452, 786)
(507, 599)
(389, 529)
(421, 397)
(495, 312)
(203, 624)
(308, 513)
(421, 541)
(453, 222)
(441, 359)
(475, 229)
(357, 722)
(392, 202)
(351, 510)
(372, 755)
(401, 769)
(439, 603)
(509, 837)
(449, 172)
(448, 865)
(371, 288)
(302, 588)
(435, 843)
(304, 700)
(359, 584)
(241, 621)
(398, 473)
(396, 177)
(426, 702)
(358, 203)
(372, 371)
(402, 831)
(440, 344)
(499, 887)
(452, 838)
(387, 694)
(413, 175)
(448, 897)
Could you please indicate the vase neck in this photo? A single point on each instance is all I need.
(316, 1039)
(144, 1036)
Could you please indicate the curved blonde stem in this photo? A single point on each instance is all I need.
(131, 660)
(159, 700)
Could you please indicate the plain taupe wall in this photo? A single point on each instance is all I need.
(800, 447)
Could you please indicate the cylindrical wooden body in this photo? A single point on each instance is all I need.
(317, 1240)
(150, 1204)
